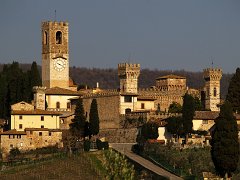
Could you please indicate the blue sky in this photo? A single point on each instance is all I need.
(158, 34)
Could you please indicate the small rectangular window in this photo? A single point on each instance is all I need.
(42, 126)
(42, 118)
(142, 106)
(20, 117)
(127, 98)
(50, 134)
(40, 133)
(18, 136)
(31, 132)
(20, 126)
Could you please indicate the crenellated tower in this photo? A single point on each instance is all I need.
(55, 54)
(39, 97)
(128, 75)
(212, 77)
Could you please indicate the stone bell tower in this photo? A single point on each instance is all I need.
(55, 54)
(212, 77)
(128, 74)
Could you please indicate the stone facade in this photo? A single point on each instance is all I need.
(55, 54)
(171, 83)
(128, 74)
(108, 109)
(212, 79)
(39, 97)
(29, 139)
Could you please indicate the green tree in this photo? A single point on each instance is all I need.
(175, 126)
(149, 130)
(175, 108)
(225, 145)
(198, 104)
(233, 95)
(78, 122)
(94, 118)
(188, 113)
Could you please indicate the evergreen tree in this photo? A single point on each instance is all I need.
(225, 145)
(78, 122)
(175, 108)
(175, 125)
(149, 131)
(233, 95)
(35, 79)
(188, 112)
(94, 118)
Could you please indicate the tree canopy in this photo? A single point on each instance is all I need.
(175, 125)
(225, 145)
(79, 121)
(149, 130)
(16, 85)
(233, 95)
(175, 108)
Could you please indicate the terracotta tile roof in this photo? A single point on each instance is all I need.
(62, 91)
(66, 114)
(42, 129)
(35, 112)
(171, 76)
(13, 132)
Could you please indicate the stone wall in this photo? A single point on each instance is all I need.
(108, 110)
(119, 135)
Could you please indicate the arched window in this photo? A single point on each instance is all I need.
(215, 92)
(58, 105)
(58, 37)
(45, 37)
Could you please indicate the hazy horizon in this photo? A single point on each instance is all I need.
(163, 35)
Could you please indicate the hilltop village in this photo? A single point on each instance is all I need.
(42, 122)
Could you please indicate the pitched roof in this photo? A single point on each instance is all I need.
(171, 76)
(62, 91)
(13, 132)
(43, 129)
(35, 112)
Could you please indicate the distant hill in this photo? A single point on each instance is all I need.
(108, 78)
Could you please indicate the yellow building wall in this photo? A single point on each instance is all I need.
(148, 105)
(34, 121)
(53, 99)
(128, 105)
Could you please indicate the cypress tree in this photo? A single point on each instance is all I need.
(233, 95)
(35, 79)
(225, 145)
(188, 112)
(94, 118)
(78, 122)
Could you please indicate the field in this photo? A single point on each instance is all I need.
(76, 167)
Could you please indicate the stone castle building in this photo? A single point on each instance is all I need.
(54, 103)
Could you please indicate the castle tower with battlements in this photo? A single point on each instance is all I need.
(128, 75)
(212, 77)
(55, 54)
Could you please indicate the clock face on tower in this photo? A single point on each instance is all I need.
(59, 64)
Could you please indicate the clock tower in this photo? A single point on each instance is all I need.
(55, 54)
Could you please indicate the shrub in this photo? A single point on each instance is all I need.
(136, 148)
(99, 144)
(105, 145)
(102, 145)
(86, 145)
